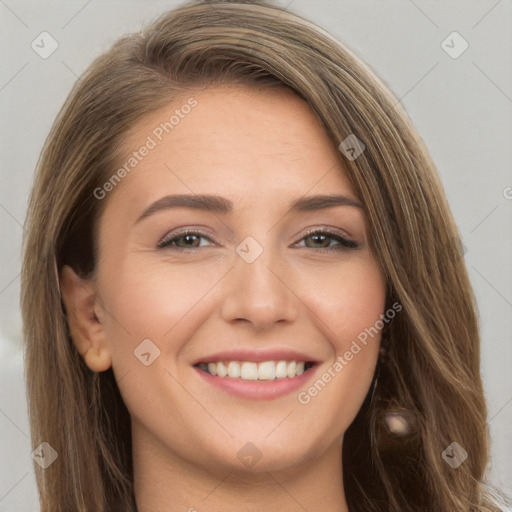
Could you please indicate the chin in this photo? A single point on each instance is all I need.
(263, 454)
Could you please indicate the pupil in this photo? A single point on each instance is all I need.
(189, 239)
(318, 238)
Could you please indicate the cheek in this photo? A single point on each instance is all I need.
(165, 304)
(154, 300)
(350, 307)
(347, 299)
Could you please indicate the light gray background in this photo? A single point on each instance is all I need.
(462, 108)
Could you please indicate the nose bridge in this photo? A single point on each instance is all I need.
(258, 292)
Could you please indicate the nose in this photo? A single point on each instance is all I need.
(259, 293)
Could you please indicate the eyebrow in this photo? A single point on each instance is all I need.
(218, 204)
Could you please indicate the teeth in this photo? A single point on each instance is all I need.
(221, 369)
(249, 371)
(233, 370)
(266, 370)
(281, 370)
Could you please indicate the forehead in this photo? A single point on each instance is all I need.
(234, 141)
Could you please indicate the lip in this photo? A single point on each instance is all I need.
(257, 390)
(257, 356)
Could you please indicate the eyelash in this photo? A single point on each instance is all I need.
(344, 243)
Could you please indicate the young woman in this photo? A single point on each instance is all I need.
(242, 288)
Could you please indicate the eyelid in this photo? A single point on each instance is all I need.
(344, 241)
(333, 233)
(190, 230)
(327, 230)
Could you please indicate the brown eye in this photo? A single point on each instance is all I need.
(323, 240)
(187, 240)
(319, 239)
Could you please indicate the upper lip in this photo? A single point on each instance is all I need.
(257, 355)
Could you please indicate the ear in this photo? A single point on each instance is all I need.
(86, 329)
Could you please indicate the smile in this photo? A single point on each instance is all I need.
(249, 370)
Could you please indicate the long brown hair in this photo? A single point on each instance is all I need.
(431, 367)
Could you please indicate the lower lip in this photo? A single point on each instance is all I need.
(258, 389)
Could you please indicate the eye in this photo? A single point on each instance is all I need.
(322, 239)
(184, 240)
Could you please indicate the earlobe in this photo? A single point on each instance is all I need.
(86, 329)
(98, 358)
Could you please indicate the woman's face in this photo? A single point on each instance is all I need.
(237, 282)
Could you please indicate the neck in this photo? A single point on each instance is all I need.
(165, 482)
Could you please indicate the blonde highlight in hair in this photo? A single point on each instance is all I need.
(431, 347)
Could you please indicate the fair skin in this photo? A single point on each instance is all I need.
(262, 150)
